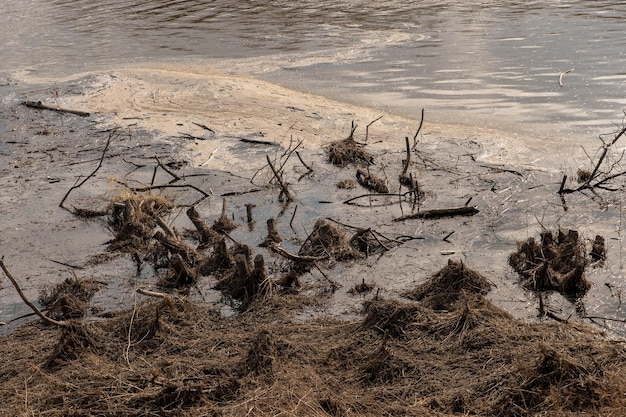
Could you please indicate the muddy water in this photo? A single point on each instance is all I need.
(481, 63)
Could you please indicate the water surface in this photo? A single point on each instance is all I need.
(478, 62)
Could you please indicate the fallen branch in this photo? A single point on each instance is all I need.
(27, 302)
(39, 105)
(589, 183)
(438, 213)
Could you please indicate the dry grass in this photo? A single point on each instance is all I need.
(175, 358)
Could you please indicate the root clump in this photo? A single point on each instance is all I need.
(348, 151)
(556, 263)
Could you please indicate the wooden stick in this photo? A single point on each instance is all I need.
(438, 213)
(285, 190)
(27, 302)
(39, 105)
(418, 130)
(153, 294)
(166, 169)
(368, 126)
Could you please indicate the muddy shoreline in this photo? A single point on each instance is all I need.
(46, 152)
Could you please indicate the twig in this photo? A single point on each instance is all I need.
(418, 131)
(293, 216)
(297, 258)
(351, 200)
(27, 302)
(594, 174)
(166, 169)
(204, 127)
(304, 163)
(368, 126)
(258, 142)
(79, 184)
(157, 187)
(285, 190)
(150, 293)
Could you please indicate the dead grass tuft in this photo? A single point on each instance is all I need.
(444, 289)
(69, 299)
(328, 240)
(348, 151)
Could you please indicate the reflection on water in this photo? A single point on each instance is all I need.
(479, 62)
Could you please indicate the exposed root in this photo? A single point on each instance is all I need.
(371, 182)
(557, 263)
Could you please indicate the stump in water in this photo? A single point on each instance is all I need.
(557, 263)
(223, 224)
(247, 280)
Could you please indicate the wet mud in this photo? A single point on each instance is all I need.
(206, 289)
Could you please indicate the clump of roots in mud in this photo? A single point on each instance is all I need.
(444, 289)
(556, 263)
(371, 182)
(328, 240)
(69, 299)
(133, 220)
(246, 279)
(348, 151)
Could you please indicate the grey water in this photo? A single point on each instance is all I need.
(556, 67)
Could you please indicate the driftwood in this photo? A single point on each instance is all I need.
(438, 213)
(39, 105)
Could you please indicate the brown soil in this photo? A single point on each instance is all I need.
(418, 343)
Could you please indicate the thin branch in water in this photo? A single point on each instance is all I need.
(80, 184)
(27, 302)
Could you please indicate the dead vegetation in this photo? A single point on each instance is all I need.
(348, 151)
(172, 357)
(447, 351)
(556, 263)
(70, 298)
